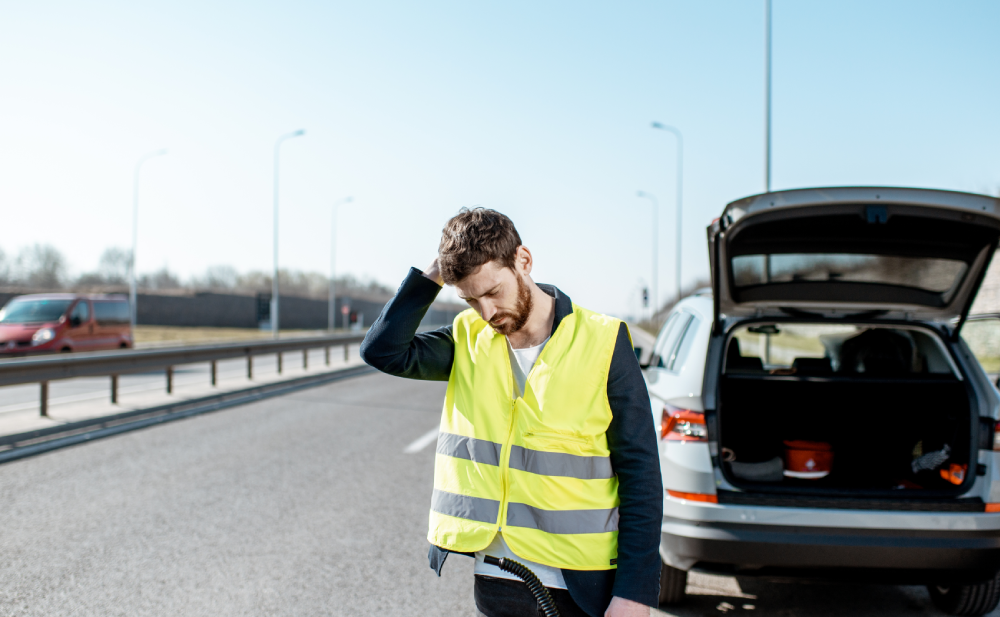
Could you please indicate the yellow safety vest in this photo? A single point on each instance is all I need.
(538, 466)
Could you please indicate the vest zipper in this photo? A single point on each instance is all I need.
(505, 463)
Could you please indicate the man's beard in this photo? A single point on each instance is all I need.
(517, 319)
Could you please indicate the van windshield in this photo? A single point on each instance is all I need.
(835, 349)
(33, 311)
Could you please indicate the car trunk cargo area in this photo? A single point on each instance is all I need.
(844, 435)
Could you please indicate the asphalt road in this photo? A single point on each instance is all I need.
(300, 505)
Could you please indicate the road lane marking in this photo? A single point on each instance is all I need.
(422, 442)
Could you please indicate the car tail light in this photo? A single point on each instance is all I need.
(682, 425)
(993, 507)
(996, 438)
(704, 497)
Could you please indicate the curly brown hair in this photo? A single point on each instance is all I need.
(474, 237)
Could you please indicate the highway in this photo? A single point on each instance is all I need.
(313, 503)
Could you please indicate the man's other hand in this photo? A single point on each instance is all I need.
(620, 607)
(434, 273)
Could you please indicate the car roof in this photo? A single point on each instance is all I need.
(699, 302)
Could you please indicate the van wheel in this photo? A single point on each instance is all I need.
(65, 350)
(673, 584)
(977, 599)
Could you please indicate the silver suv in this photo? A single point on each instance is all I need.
(820, 415)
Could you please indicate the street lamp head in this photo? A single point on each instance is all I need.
(657, 125)
(640, 193)
(348, 200)
(160, 152)
(299, 132)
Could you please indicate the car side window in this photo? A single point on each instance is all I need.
(671, 337)
(111, 313)
(982, 335)
(81, 313)
(661, 339)
(683, 346)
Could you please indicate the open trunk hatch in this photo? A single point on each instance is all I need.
(873, 252)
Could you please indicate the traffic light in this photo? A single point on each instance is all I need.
(645, 297)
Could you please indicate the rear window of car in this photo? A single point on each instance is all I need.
(928, 274)
(836, 349)
(111, 313)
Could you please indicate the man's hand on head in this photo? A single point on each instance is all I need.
(434, 273)
(620, 607)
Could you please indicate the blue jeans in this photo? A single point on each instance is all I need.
(500, 597)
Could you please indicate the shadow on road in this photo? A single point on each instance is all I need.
(718, 595)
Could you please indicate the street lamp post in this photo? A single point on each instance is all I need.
(331, 313)
(135, 236)
(680, 196)
(274, 280)
(767, 96)
(656, 243)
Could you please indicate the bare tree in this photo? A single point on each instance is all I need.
(217, 278)
(254, 281)
(114, 265)
(308, 284)
(41, 266)
(162, 279)
(112, 269)
(4, 269)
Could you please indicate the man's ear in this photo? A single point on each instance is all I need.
(523, 260)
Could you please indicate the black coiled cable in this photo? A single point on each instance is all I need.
(542, 596)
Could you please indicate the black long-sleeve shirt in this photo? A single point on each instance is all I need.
(393, 346)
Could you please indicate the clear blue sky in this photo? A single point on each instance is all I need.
(540, 110)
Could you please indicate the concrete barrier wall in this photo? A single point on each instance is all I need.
(239, 311)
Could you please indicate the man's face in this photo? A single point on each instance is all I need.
(499, 295)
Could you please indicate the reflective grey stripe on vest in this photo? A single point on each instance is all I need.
(561, 464)
(463, 506)
(562, 521)
(469, 448)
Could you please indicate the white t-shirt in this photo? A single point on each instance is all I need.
(521, 361)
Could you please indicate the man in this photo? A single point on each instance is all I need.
(547, 453)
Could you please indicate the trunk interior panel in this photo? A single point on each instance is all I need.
(875, 427)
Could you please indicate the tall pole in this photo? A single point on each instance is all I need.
(767, 146)
(767, 96)
(274, 279)
(331, 320)
(135, 237)
(656, 244)
(680, 198)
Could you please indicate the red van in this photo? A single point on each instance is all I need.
(40, 323)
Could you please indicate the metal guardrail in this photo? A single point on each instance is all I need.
(37, 441)
(43, 369)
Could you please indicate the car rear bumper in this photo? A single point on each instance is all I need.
(902, 556)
